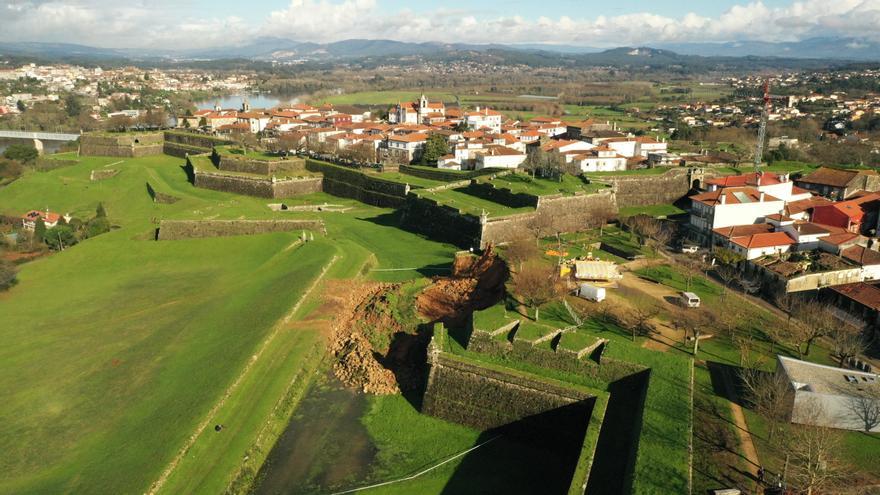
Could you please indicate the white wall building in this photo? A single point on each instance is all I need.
(732, 206)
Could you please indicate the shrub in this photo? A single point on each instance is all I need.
(8, 275)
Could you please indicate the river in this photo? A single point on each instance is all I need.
(257, 100)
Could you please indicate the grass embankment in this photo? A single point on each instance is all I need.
(657, 211)
(524, 183)
(253, 154)
(472, 204)
(119, 346)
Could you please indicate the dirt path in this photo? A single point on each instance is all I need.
(742, 428)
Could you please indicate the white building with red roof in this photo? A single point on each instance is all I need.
(762, 244)
(778, 185)
(417, 112)
(730, 206)
(50, 219)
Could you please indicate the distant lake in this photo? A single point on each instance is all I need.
(256, 101)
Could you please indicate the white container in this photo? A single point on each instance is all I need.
(689, 299)
(591, 292)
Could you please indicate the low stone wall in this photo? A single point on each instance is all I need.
(103, 173)
(559, 213)
(125, 145)
(475, 395)
(182, 150)
(607, 369)
(440, 222)
(194, 139)
(159, 197)
(172, 230)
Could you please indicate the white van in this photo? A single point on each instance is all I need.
(689, 299)
(591, 292)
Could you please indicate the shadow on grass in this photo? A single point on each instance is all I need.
(618, 438)
(537, 454)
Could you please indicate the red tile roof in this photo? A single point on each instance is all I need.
(769, 239)
(714, 197)
(860, 292)
(767, 178)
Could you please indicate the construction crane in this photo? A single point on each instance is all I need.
(762, 127)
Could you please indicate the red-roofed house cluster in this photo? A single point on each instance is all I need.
(477, 138)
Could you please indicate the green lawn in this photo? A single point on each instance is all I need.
(237, 152)
(524, 183)
(119, 346)
(413, 181)
(472, 204)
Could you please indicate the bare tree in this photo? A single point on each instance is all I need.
(769, 395)
(817, 321)
(538, 225)
(812, 450)
(599, 217)
(865, 406)
(649, 231)
(537, 284)
(520, 250)
(290, 141)
(695, 322)
(847, 342)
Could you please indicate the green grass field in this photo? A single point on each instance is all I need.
(524, 183)
(118, 347)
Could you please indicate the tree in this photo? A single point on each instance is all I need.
(817, 320)
(100, 212)
(520, 250)
(246, 141)
(846, 342)
(768, 394)
(21, 152)
(544, 164)
(156, 118)
(39, 230)
(435, 147)
(812, 450)
(8, 275)
(649, 230)
(119, 123)
(539, 224)
(537, 284)
(360, 153)
(72, 105)
(97, 226)
(60, 237)
(20, 106)
(694, 322)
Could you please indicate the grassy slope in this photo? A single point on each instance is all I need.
(142, 336)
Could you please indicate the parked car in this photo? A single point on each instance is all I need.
(689, 299)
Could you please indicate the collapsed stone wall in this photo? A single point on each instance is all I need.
(44, 164)
(440, 222)
(558, 213)
(125, 145)
(172, 230)
(471, 394)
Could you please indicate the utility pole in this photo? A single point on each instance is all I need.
(762, 127)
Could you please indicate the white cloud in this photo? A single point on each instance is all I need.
(170, 24)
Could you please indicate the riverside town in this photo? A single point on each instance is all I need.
(350, 246)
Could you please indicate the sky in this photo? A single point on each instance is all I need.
(170, 24)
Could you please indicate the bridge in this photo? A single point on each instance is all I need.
(42, 136)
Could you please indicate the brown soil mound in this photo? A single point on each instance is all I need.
(362, 321)
(476, 283)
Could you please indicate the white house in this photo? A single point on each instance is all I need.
(732, 206)
(777, 185)
(763, 244)
(483, 118)
(409, 145)
(599, 159)
(495, 156)
(50, 219)
(417, 112)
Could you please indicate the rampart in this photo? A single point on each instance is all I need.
(172, 230)
(350, 183)
(440, 222)
(231, 163)
(178, 143)
(125, 145)
(501, 195)
(557, 213)
(202, 175)
(668, 187)
(484, 397)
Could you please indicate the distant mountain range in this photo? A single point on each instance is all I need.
(270, 49)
